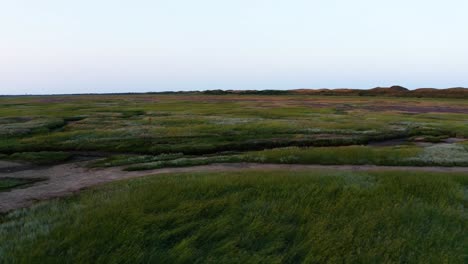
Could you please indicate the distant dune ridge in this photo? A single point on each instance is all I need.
(394, 91)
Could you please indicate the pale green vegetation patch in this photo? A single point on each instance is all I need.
(445, 154)
(15, 127)
(186, 162)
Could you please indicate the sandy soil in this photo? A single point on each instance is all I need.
(66, 179)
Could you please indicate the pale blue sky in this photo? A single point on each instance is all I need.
(57, 46)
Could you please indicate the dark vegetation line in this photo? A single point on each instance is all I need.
(394, 91)
(143, 145)
(139, 146)
(8, 183)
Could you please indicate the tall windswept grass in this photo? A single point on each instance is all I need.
(353, 155)
(249, 217)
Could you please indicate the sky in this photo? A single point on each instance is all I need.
(99, 46)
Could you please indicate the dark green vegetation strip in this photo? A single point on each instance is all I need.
(40, 158)
(249, 217)
(10, 183)
(436, 155)
(120, 160)
(394, 91)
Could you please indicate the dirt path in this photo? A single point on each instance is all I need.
(66, 179)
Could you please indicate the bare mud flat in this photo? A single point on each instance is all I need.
(66, 179)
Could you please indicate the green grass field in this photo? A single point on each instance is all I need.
(249, 217)
(200, 125)
(244, 216)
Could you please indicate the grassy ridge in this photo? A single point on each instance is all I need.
(436, 155)
(249, 217)
(40, 158)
